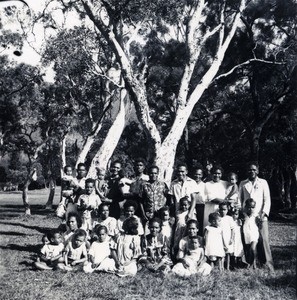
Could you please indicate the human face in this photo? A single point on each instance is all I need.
(252, 172)
(81, 172)
(45, 240)
(72, 223)
(235, 215)
(192, 230)
(165, 216)
(104, 212)
(130, 211)
(89, 188)
(232, 179)
(250, 208)
(184, 205)
(194, 244)
(139, 168)
(216, 175)
(115, 169)
(78, 241)
(68, 171)
(102, 235)
(223, 210)
(100, 175)
(216, 222)
(154, 228)
(182, 173)
(153, 174)
(198, 175)
(57, 239)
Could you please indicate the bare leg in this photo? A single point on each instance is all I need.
(228, 261)
(253, 251)
(40, 265)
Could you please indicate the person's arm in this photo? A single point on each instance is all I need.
(66, 255)
(83, 259)
(191, 214)
(266, 200)
(114, 255)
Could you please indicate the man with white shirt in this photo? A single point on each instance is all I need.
(258, 189)
(181, 187)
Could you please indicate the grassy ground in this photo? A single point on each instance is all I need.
(20, 238)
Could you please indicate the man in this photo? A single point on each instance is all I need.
(258, 189)
(181, 187)
(154, 194)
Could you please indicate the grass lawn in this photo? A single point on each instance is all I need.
(20, 239)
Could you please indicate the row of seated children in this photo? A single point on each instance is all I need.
(125, 254)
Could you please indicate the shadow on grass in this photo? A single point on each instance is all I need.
(37, 228)
(26, 248)
(12, 233)
(284, 281)
(284, 256)
(35, 209)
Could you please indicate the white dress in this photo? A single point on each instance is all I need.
(250, 229)
(214, 242)
(110, 223)
(227, 225)
(237, 242)
(213, 190)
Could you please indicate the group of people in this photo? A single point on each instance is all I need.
(120, 225)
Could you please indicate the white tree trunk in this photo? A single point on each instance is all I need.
(111, 140)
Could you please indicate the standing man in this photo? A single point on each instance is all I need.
(258, 189)
(181, 187)
(154, 194)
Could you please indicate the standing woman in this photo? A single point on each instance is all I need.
(215, 193)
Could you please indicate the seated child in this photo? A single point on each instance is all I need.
(193, 261)
(106, 220)
(88, 203)
(75, 253)
(156, 251)
(227, 225)
(214, 242)
(250, 232)
(130, 208)
(102, 253)
(128, 248)
(67, 187)
(51, 253)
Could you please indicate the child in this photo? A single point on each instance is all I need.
(166, 227)
(67, 187)
(106, 220)
(128, 248)
(100, 253)
(73, 222)
(156, 249)
(51, 253)
(181, 222)
(87, 203)
(236, 257)
(250, 232)
(130, 208)
(232, 192)
(75, 254)
(193, 261)
(227, 225)
(101, 185)
(214, 242)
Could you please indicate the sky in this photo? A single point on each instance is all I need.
(29, 54)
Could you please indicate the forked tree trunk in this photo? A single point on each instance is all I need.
(111, 140)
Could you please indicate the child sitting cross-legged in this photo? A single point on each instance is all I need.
(51, 252)
(102, 254)
(75, 254)
(156, 252)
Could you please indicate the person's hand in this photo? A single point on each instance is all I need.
(73, 263)
(94, 266)
(67, 193)
(185, 264)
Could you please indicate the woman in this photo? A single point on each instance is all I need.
(215, 193)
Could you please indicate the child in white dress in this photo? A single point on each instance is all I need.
(236, 257)
(214, 242)
(227, 225)
(101, 253)
(128, 248)
(232, 192)
(250, 232)
(166, 227)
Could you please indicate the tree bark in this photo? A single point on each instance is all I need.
(52, 188)
(25, 197)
